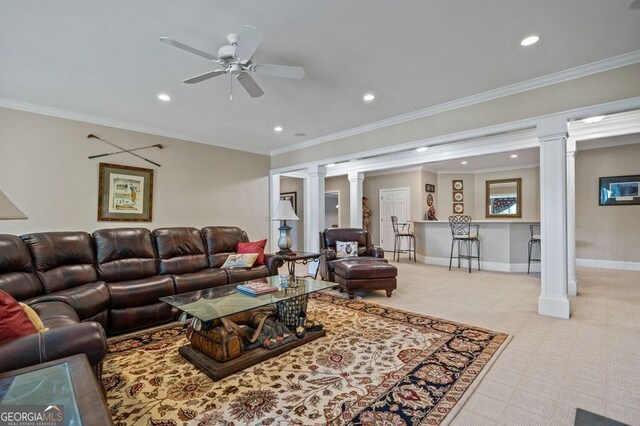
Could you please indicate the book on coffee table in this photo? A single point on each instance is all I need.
(255, 288)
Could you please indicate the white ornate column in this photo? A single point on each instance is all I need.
(313, 207)
(355, 199)
(553, 300)
(572, 281)
(274, 198)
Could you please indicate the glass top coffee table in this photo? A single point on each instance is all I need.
(218, 302)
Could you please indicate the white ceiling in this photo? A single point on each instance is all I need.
(103, 58)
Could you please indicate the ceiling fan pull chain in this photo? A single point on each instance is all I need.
(230, 86)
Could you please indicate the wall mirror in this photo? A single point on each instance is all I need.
(504, 198)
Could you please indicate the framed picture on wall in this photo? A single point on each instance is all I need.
(290, 196)
(125, 193)
(457, 185)
(619, 190)
(429, 188)
(458, 208)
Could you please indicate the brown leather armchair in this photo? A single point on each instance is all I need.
(328, 239)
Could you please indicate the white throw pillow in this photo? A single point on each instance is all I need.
(346, 249)
(245, 260)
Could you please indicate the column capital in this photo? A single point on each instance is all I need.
(316, 170)
(552, 128)
(571, 147)
(355, 176)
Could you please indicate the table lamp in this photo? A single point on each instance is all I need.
(284, 212)
(8, 210)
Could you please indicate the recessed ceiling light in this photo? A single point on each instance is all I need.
(331, 165)
(421, 149)
(463, 162)
(278, 128)
(164, 97)
(368, 97)
(514, 155)
(530, 40)
(593, 119)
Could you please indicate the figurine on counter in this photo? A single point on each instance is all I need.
(431, 213)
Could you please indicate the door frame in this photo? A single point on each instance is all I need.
(337, 191)
(407, 189)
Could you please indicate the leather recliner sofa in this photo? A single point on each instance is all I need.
(84, 285)
(329, 258)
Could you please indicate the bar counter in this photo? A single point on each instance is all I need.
(503, 244)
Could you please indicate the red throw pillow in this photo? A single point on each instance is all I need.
(13, 321)
(253, 247)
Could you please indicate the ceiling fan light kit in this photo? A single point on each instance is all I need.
(236, 59)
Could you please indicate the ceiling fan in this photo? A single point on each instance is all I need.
(235, 59)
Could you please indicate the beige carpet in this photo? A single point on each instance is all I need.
(375, 366)
(551, 366)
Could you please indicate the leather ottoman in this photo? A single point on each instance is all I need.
(366, 275)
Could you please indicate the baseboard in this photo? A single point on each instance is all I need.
(535, 266)
(489, 266)
(608, 264)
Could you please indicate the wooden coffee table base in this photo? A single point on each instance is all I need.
(219, 370)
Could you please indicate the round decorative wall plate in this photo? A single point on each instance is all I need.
(457, 196)
(457, 185)
(458, 208)
(429, 200)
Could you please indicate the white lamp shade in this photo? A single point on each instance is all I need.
(8, 210)
(284, 211)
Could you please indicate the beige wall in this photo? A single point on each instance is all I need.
(594, 89)
(606, 232)
(432, 179)
(341, 185)
(444, 192)
(44, 169)
(297, 227)
(371, 189)
(475, 192)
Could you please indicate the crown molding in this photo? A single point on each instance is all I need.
(101, 121)
(374, 173)
(489, 170)
(558, 77)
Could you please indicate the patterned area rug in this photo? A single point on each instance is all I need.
(375, 366)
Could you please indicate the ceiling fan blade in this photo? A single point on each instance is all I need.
(250, 85)
(283, 71)
(188, 48)
(248, 42)
(205, 76)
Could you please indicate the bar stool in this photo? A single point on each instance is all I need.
(534, 239)
(461, 235)
(402, 231)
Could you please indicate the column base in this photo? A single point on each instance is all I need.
(551, 306)
(573, 287)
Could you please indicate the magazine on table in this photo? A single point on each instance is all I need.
(256, 288)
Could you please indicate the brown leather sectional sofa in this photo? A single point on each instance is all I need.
(85, 286)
